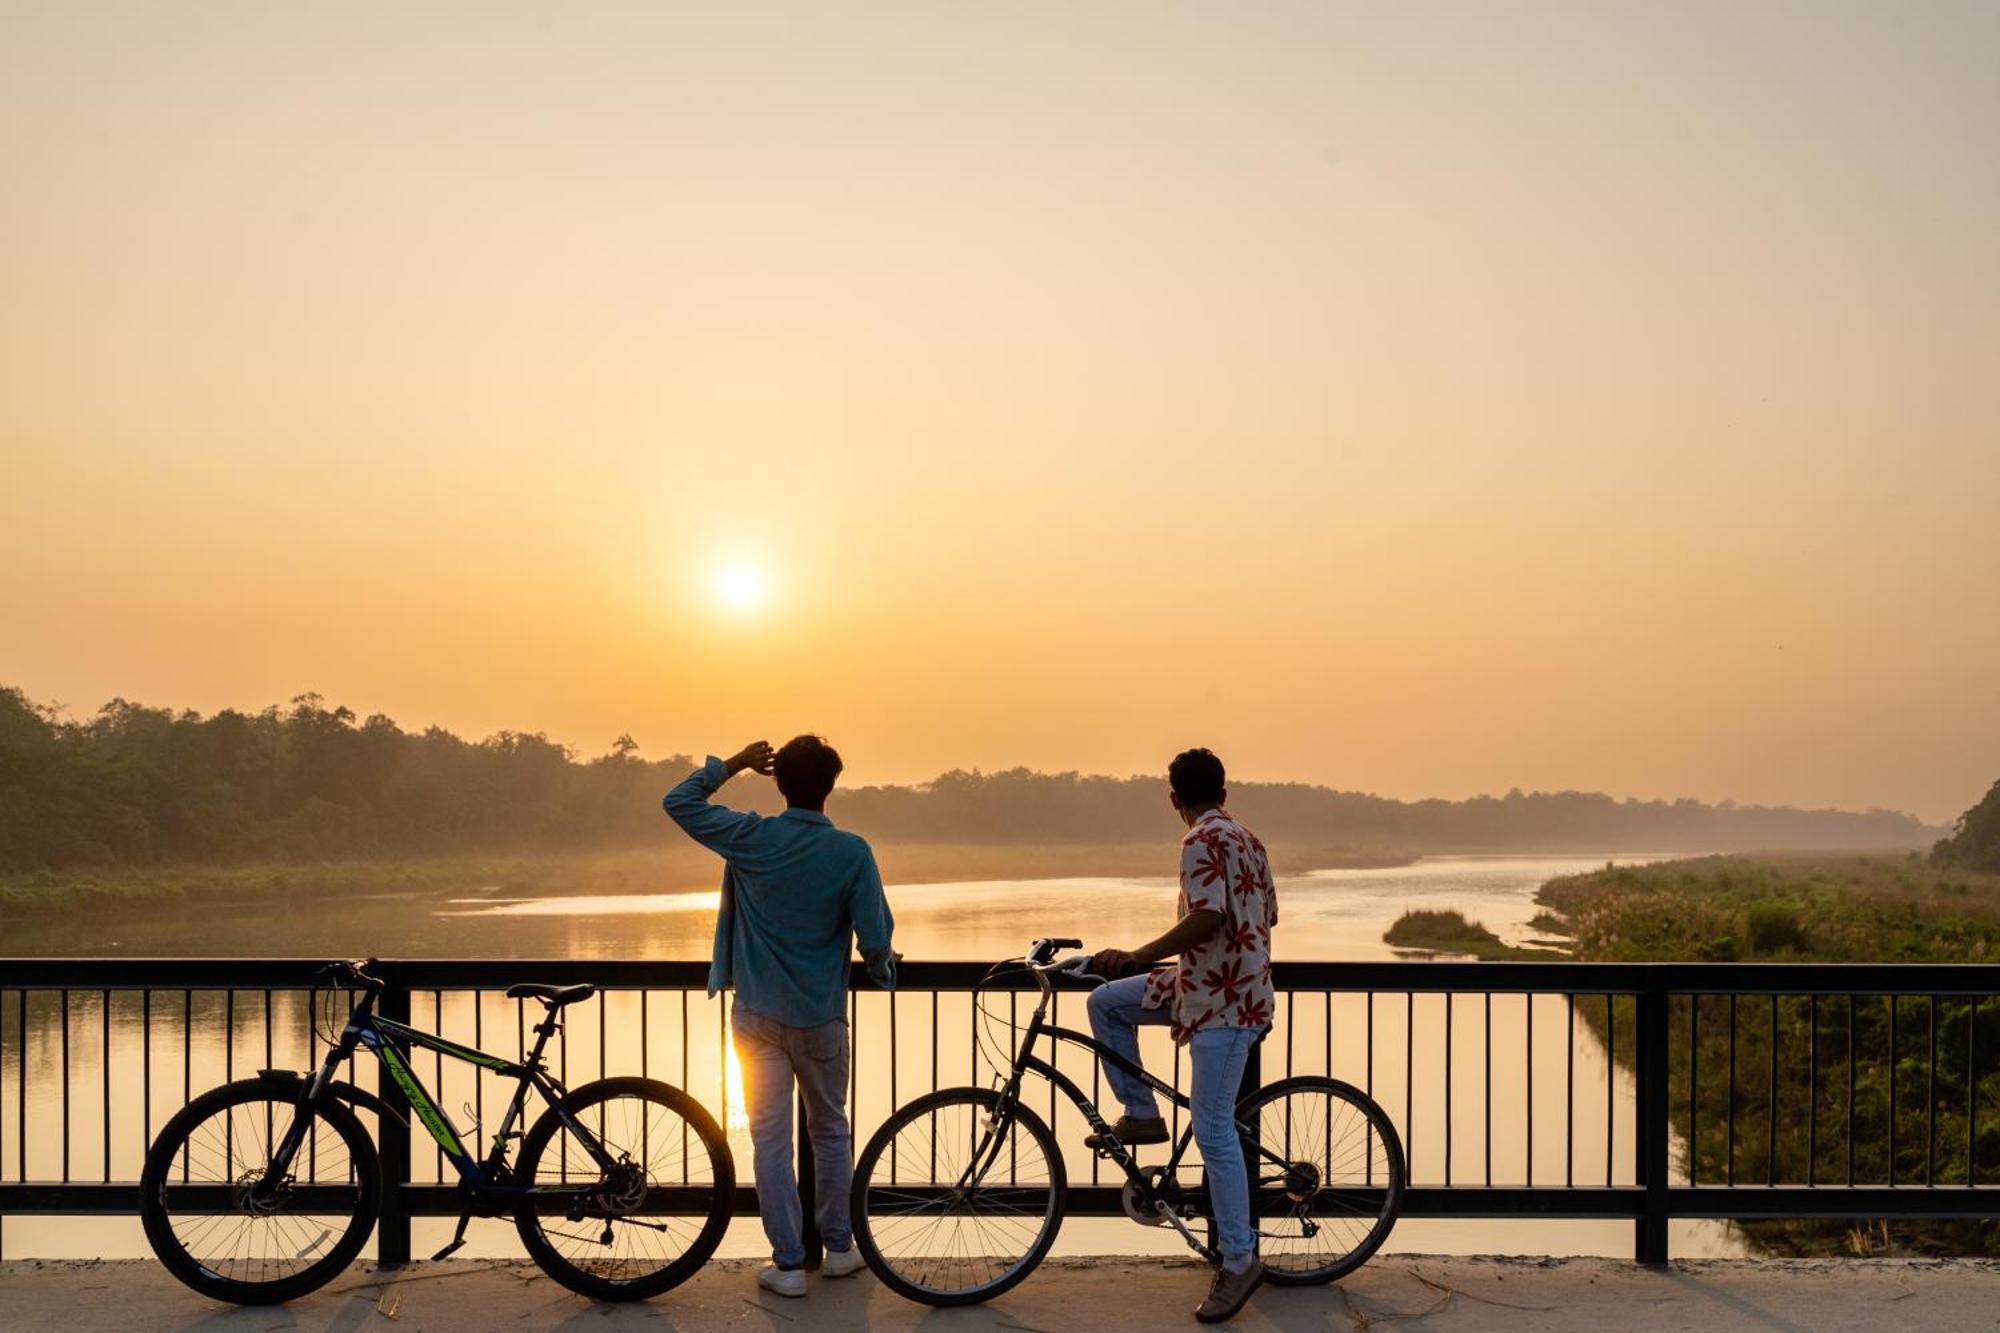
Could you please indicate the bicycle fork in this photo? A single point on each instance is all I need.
(279, 1169)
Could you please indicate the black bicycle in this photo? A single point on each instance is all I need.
(266, 1188)
(960, 1194)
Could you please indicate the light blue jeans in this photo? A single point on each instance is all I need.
(1218, 1056)
(773, 1056)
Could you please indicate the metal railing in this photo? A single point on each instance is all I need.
(1645, 1091)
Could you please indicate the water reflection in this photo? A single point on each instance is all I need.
(1551, 1110)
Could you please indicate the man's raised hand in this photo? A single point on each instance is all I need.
(758, 756)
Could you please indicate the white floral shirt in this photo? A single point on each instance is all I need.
(1225, 981)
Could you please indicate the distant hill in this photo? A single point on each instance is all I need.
(134, 785)
(1023, 805)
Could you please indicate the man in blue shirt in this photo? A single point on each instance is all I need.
(796, 894)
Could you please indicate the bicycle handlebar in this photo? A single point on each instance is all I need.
(356, 970)
(1041, 960)
(1041, 951)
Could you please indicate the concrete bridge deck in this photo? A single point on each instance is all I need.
(1091, 1296)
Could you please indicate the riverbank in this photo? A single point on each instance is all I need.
(674, 865)
(671, 865)
(1854, 909)
(1866, 909)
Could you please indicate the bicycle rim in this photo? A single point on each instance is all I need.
(1331, 1197)
(951, 1208)
(215, 1228)
(675, 1159)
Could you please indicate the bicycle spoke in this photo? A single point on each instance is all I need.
(954, 1204)
(1331, 1200)
(213, 1207)
(634, 1129)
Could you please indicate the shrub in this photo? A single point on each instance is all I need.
(1773, 927)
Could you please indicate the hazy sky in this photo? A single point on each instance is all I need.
(1424, 399)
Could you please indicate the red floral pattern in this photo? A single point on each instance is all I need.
(1225, 981)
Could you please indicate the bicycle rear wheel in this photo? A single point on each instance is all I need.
(953, 1206)
(652, 1222)
(219, 1230)
(1328, 1178)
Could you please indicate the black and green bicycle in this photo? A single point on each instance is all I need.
(266, 1188)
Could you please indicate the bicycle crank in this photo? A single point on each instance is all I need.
(1141, 1201)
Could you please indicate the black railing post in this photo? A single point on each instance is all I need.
(392, 1232)
(808, 1186)
(1651, 1003)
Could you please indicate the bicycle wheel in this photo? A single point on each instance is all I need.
(1334, 1199)
(646, 1226)
(215, 1232)
(951, 1207)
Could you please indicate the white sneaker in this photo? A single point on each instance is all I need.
(783, 1281)
(842, 1263)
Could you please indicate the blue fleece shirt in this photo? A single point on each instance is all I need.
(796, 894)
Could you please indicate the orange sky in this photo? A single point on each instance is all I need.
(1420, 399)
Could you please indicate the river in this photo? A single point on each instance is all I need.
(1560, 1103)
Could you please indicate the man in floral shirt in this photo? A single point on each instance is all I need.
(1215, 997)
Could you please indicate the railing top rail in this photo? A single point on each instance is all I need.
(1417, 976)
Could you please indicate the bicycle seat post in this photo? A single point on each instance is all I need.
(548, 1027)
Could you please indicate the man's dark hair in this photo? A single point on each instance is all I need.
(805, 770)
(1196, 777)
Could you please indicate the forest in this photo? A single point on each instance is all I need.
(132, 785)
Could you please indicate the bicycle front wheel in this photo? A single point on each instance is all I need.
(650, 1222)
(955, 1202)
(1328, 1179)
(216, 1224)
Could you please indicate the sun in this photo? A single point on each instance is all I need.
(740, 587)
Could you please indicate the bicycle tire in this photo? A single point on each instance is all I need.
(191, 1131)
(720, 1189)
(984, 1103)
(1383, 1176)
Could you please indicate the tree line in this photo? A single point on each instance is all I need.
(1974, 843)
(135, 785)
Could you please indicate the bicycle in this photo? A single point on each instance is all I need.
(264, 1189)
(960, 1193)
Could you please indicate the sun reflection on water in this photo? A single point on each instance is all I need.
(732, 1073)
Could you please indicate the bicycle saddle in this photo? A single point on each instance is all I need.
(555, 997)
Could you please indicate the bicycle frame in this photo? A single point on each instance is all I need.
(1026, 1061)
(390, 1043)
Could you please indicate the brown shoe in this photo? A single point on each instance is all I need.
(1131, 1132)
(1229, 1292)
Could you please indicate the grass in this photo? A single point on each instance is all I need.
(1548, 923)
(1448, 931)
(1831, 909)
(147, 886)
(1870, 909)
